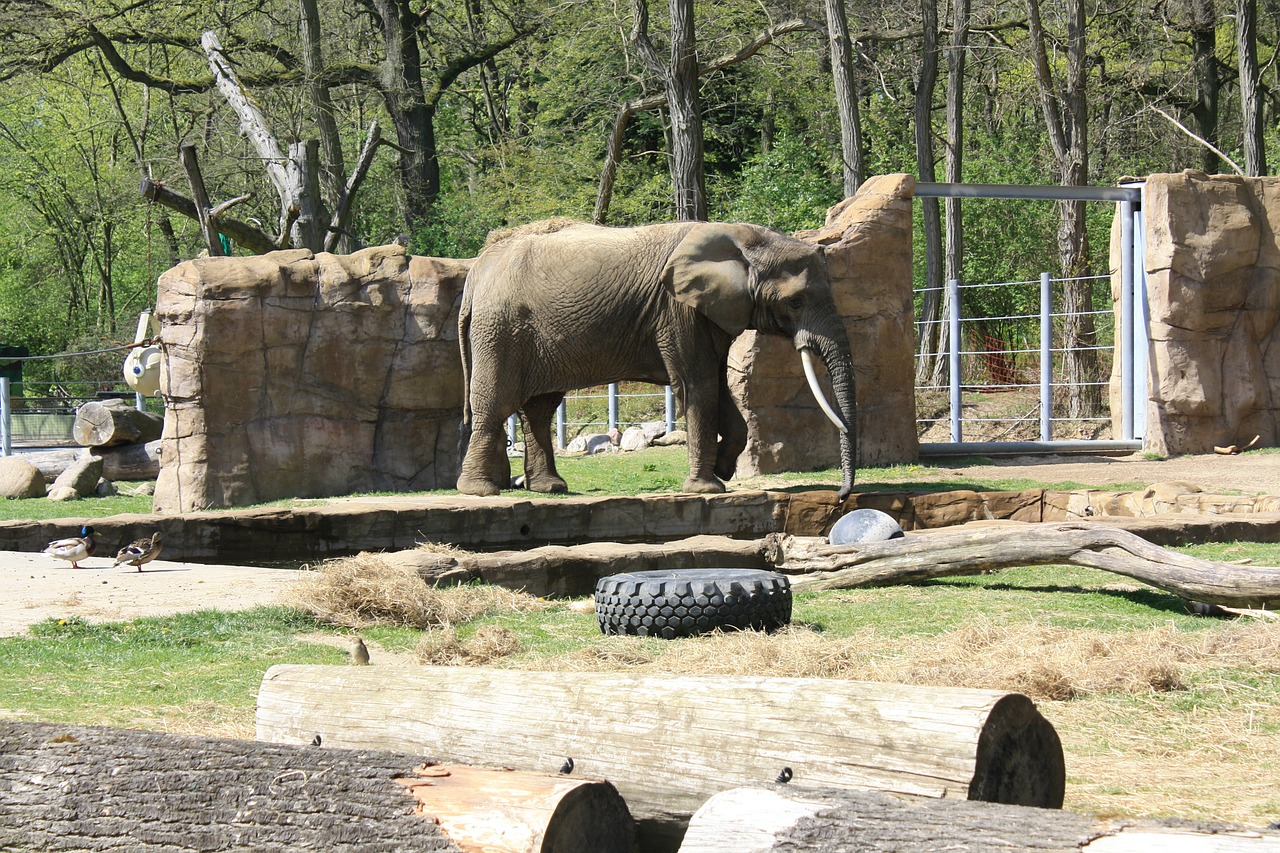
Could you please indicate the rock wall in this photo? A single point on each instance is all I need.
(300, 375)
(868, 244)
(1213, 278)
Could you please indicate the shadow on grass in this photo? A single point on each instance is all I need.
(1149, 598)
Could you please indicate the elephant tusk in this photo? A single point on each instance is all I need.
(806, 358)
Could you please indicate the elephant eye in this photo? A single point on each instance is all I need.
(796, 302)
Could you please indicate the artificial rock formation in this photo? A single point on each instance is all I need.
(291, 374)
(1213, 280)
(868, 244)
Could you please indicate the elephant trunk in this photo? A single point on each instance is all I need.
(832, 347)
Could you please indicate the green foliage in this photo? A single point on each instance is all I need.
(789, 188)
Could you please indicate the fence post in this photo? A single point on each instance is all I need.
(670, 409)
(1046, 357)
(560, 424)
(613, 406)
(1126, 320)
(6, 434)
(511, 431)
(953, 299)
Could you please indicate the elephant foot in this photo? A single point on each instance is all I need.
(704, 486)
(475, 486)
(547, 485)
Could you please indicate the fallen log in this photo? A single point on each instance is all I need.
(101, 423)
(759, 819)
(572, 570)
(70, 787)
(943, 553)
(670, 742)
(119, 463)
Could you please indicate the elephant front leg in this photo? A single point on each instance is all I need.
(485, 469)
(540, 473)
(733, 434)
(700, 423)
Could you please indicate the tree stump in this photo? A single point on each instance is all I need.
(102, 423)
(670, 742)
(758, 819)
(93, 789)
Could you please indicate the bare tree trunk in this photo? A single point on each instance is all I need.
(1204, 64)
(1251, 104)
(332, 167)
(931, 332)
(846, 86)
(1069, 137)
(957, 53)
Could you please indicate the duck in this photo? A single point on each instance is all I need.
(73, 548)
(139, 552)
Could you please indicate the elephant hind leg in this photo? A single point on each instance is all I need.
(485, 469)
(540, 473)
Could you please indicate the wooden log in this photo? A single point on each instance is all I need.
(943, 553)
(670, 742)
(101, 423)
(784, 817)
(71, 787)
(572, 570)
(140, 461)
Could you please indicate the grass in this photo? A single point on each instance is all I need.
(1161, 712)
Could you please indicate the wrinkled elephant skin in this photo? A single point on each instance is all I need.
(561, 305)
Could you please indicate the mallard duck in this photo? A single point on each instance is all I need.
(74, 548)
(137, 553)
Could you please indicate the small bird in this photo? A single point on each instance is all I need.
(567, 767)
(137, 553)
(359, 652)
(784, 777)
(315, 741)
(74, 548)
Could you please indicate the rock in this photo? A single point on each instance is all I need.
(139, 489)
(81, 475)
(633, 438)
(1213, 262)
(63, 493)
(20, 479)
(293, 374)
(864, 525)
(671, 439)
(591, 444)
(105, 489)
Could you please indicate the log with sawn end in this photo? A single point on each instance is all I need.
(974, 549)
(69, 788)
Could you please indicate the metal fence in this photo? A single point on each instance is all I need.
(1014, 384)
(608, 407)
(41, 414)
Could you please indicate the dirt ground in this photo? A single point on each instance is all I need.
(37, 587)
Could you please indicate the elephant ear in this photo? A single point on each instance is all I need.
(708, 271)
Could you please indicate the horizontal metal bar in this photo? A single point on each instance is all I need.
(1098, 447)
(1028, 191)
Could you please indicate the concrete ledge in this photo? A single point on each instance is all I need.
(346, 526)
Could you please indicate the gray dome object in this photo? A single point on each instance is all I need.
(864, 525)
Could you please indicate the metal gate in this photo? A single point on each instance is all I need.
(1130, 348)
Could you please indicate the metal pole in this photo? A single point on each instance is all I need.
(670, 409)
(560, 424)
(511, 431)
(139, 401)
(1126, 320)
(6, 435)
(1046, 357)
(953, 298)
(613, 406)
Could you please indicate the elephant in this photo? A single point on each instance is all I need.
(560, 305)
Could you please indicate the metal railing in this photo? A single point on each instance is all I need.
(46, 419)
(615, 399)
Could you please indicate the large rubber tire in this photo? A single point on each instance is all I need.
(687, 602)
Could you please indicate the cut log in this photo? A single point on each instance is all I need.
(70, 787)
(758, 819)
(670, 742)
(943, 553)
(131, 461)
(101, 423)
